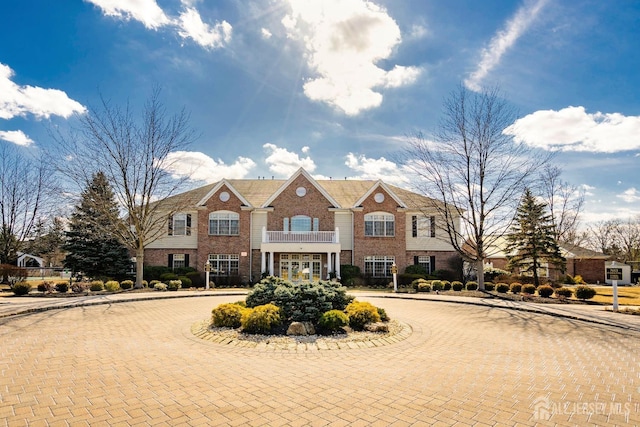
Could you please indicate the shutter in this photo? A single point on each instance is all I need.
(415, 260)
(170, 225)
(433, 226)
(285, 224)
(432, 264)
(186, 260)
(414, 227)
(170, 261)
(188, 231)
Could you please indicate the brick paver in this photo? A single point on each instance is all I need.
(139, 364)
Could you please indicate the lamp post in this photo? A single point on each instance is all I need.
(394, 271)
(614, 283)
(207, 270)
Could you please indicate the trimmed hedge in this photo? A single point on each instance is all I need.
(360, 313)
(584, 292)
(262, 319)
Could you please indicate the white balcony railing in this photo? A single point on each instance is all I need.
(300, 236)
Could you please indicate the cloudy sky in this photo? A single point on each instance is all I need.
(336, 85)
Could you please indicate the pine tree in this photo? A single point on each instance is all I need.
(531, 240)
(92, 250)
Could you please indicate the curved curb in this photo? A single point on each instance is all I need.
(201, 330)
(524, 309)
(33, 310)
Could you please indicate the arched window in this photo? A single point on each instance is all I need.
(379, 224)
(224, 223)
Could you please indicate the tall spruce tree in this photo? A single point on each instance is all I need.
(92, 250)
(531, 240)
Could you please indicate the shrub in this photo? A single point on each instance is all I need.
(491, 273)
(529, 289)
(13, 274)
(160, 286)
(261, 319)
(126, 284)
(174, 285)
(424, 287)
(21, 288)
(62, 287)
(112, 286)
(186, 282)
(457, 286)
(361, 313)
(153, 272)
(446, 285)
(96, 285)
(227, 316)
(416, 269)
(165, 277)
(79, 287)
(437, 285)
(566, 279)
(545, 291)
(472, 286)
(489, 286)
(196, 279)
(416, 284)
(584, 292)
(47, 287)
(349, 273)
(153, 283)
(145, 284)
(564, 292)
(502, 288)
(515, 288)
(332, 321)
(578, 280)
(384, 317)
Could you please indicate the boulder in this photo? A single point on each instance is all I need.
(301, 328)
(376, 327)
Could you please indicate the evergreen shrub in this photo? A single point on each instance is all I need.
(584, 292)
(446, 285)
(361, 313)
(332, 321)
(515, 288)
(227, 315)
(436, 285)
(489, 286)
(96, 285)
(112, 286)
(529, 289)
(564, 292)
(502, 288)
(21, 288)
(126, 284)
(262, 319)
(545, 291)
(472, 286)
(159, 286)
(457, 286)
(174, 285)
(62, 287)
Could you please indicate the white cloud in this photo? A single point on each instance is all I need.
(343, 41)
(573, 129)
(200, 167)
(17, 137)
(630, 195)
(503, 41)
(18, 100)
(266, 34)
(146, 11)
(188, 25)
(588, 189)
(418, 32)
(368, 168)
(191, 26)
(284, 163)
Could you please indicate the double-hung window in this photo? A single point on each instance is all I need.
(378, 266)
(379, 224)
(180, 224)
(224, 264)
(223, 223)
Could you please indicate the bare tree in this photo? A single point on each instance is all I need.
(474, 169)
(134, 155)
(602, 236)
(564, 202)
(25, 188)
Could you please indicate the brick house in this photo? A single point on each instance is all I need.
(301, 229)
(580, 261)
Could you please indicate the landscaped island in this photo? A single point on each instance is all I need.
(276, 306)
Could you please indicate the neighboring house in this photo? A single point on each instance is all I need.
(28, 260)
(301, 229)
(588, 264)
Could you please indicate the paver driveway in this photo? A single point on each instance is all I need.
(138, 364)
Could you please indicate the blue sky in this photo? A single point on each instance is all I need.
(336, 85)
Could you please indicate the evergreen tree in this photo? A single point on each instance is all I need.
(92, 250)
(532, 238)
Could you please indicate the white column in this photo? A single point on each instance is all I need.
(271, 264)
(338, 265)
(329, 266)
(263, 262)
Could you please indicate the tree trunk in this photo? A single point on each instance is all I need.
(480, 274)
(139, 266)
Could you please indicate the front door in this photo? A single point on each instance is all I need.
(300, 267)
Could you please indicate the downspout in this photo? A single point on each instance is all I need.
(251, 247)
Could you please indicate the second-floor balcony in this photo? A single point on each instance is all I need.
(300, 236)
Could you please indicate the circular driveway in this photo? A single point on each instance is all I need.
(139, 364)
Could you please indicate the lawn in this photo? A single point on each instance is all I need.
(627, 295)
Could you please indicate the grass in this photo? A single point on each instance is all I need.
(627, 295)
